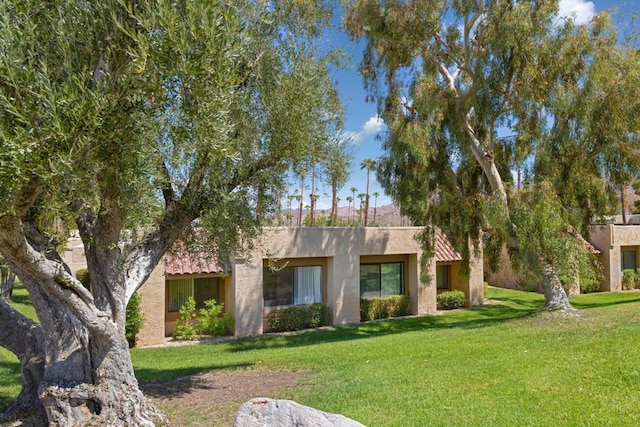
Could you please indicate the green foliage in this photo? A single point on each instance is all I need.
(384, 307)
(135, 319)
(298, 317)
(186, 327)
(630, 279)
(588, 285)
(214, 321)
(450, 300)
(83, 276)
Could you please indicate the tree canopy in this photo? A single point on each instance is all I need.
(132, 121)
(473, 91)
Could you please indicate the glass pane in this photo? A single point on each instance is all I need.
(629, 260)
(369, 281)
(277, 286)
(391, 279)
(442, 277)
(206, 289)
(179, 291)
(308, 285)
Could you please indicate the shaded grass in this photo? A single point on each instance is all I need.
(499, 364)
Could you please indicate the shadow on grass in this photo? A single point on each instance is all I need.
(177, 382)
(473, 318)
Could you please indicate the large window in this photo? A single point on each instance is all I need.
(442, 277)
(381, 279)
(628, 260)
(201, 289)
(292, 285)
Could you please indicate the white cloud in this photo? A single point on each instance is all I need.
(580, 10)
(371, 127)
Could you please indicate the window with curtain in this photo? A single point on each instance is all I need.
(201, 289)
(381, 279)
(292, 286)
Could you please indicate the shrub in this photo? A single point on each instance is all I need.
(298, 317)
(385, 307)
(588, 285)
(449, 300)
(630, 279)
(135, 319)
(185, 325)
(213, 321)
(83, 276)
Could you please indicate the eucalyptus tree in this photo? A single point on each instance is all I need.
(369, 165)
(135, 119)
(451, 79)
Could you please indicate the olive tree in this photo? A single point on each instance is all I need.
(472, 91)
(131, 121)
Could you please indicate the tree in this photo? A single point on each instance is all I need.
(7, 280)
(375, 204)
(369, 165)
(337, 171)
(350, 200)
(451, 77)
(361, 213)
(131, 121)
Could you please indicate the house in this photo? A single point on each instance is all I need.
(616, 246)
(296, 266)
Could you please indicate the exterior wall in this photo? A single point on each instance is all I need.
(612, 240)
(342, 249)
(152, 304)
(73, 254)
(506, 276)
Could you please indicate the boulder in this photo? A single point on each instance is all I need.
(265, 412)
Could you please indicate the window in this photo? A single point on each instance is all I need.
(442, 277)
(629, 260)
(292, 285)
(381, 280)
(201, 289)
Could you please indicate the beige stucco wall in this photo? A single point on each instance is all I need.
(343, 249)
(152, 303)
(611, 240)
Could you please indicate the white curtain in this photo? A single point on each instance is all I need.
(307, 287)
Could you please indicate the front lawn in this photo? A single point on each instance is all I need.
(500, 364)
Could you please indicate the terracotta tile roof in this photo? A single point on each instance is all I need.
(182, 262)
(444, 249)
(592, 248)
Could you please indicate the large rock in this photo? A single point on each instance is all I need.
(265, 412)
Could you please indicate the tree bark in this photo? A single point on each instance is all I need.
(23, 339)
(554, 294)
(7, 280)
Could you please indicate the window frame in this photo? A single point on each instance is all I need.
(380, 278)
(292, 290)
(447, 277)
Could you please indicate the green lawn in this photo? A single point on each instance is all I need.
(500, 364)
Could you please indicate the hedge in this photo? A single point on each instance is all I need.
(298, 317)
(384, 307)
(449, 300)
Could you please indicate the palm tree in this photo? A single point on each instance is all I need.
(361, 197)
(349, 199)
(369, 165)
(375, 204)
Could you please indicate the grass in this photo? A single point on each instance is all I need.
(499, 364)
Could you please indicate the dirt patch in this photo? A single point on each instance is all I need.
(213, 398)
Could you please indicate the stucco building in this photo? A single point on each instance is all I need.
(296, 266)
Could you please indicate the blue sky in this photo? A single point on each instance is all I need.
(362, 123)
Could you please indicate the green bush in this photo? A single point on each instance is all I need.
(83, 276)
(213, 321)
(185, 325)
(588, 285)
(298, 317)
(135, 319)
(630, 279)
(449, 300)
(385, 307)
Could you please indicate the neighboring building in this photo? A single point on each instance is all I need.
(297, 266)
(620, 247)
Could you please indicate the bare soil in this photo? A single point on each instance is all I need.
(213, 398)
